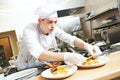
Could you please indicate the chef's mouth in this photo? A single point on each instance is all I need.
(51, 29)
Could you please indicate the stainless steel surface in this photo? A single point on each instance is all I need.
(69, 23)
(118, 1)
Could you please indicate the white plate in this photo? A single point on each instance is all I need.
(102, 59)
(24, 74)
(47, 73)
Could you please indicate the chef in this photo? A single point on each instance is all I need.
(37, 37)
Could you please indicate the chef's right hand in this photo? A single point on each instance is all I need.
(74, 58)
(93, 50)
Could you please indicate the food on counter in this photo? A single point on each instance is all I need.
(90, 61)
(48, 66)
(59, 70)
(53, 64)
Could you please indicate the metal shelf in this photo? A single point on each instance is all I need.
(107, 25)
(97, 15)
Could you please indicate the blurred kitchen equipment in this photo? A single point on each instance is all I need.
(69, 23)
(90, 14)
(22, 75)
(114, 17)
(118, 1)
(10, 70)
(113, 35)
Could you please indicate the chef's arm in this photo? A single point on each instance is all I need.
(93, 50)
(79, 43)
(51, 56)
(76, 59)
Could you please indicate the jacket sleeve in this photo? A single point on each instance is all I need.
(65, 36)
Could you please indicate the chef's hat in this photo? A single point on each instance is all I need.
(46, 12)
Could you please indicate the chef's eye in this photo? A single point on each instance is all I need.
(55, 22)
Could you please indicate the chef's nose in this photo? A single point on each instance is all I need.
(53, 25)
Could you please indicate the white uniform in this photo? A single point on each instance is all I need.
(34, 42)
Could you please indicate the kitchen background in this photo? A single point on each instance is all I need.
(90, 18)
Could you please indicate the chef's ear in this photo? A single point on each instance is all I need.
(39, 20)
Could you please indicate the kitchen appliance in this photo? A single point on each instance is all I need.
(114, 35)
(98, 37)
(118, 1)
(110, 36)
(69, 23)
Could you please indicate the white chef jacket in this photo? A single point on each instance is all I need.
(34, 42)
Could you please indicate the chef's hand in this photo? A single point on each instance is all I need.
(93, 50)
(74, 58)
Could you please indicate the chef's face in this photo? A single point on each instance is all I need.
(47, 25)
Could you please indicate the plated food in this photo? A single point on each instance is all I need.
(94, 62)
(60, 71)
(91, 61)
